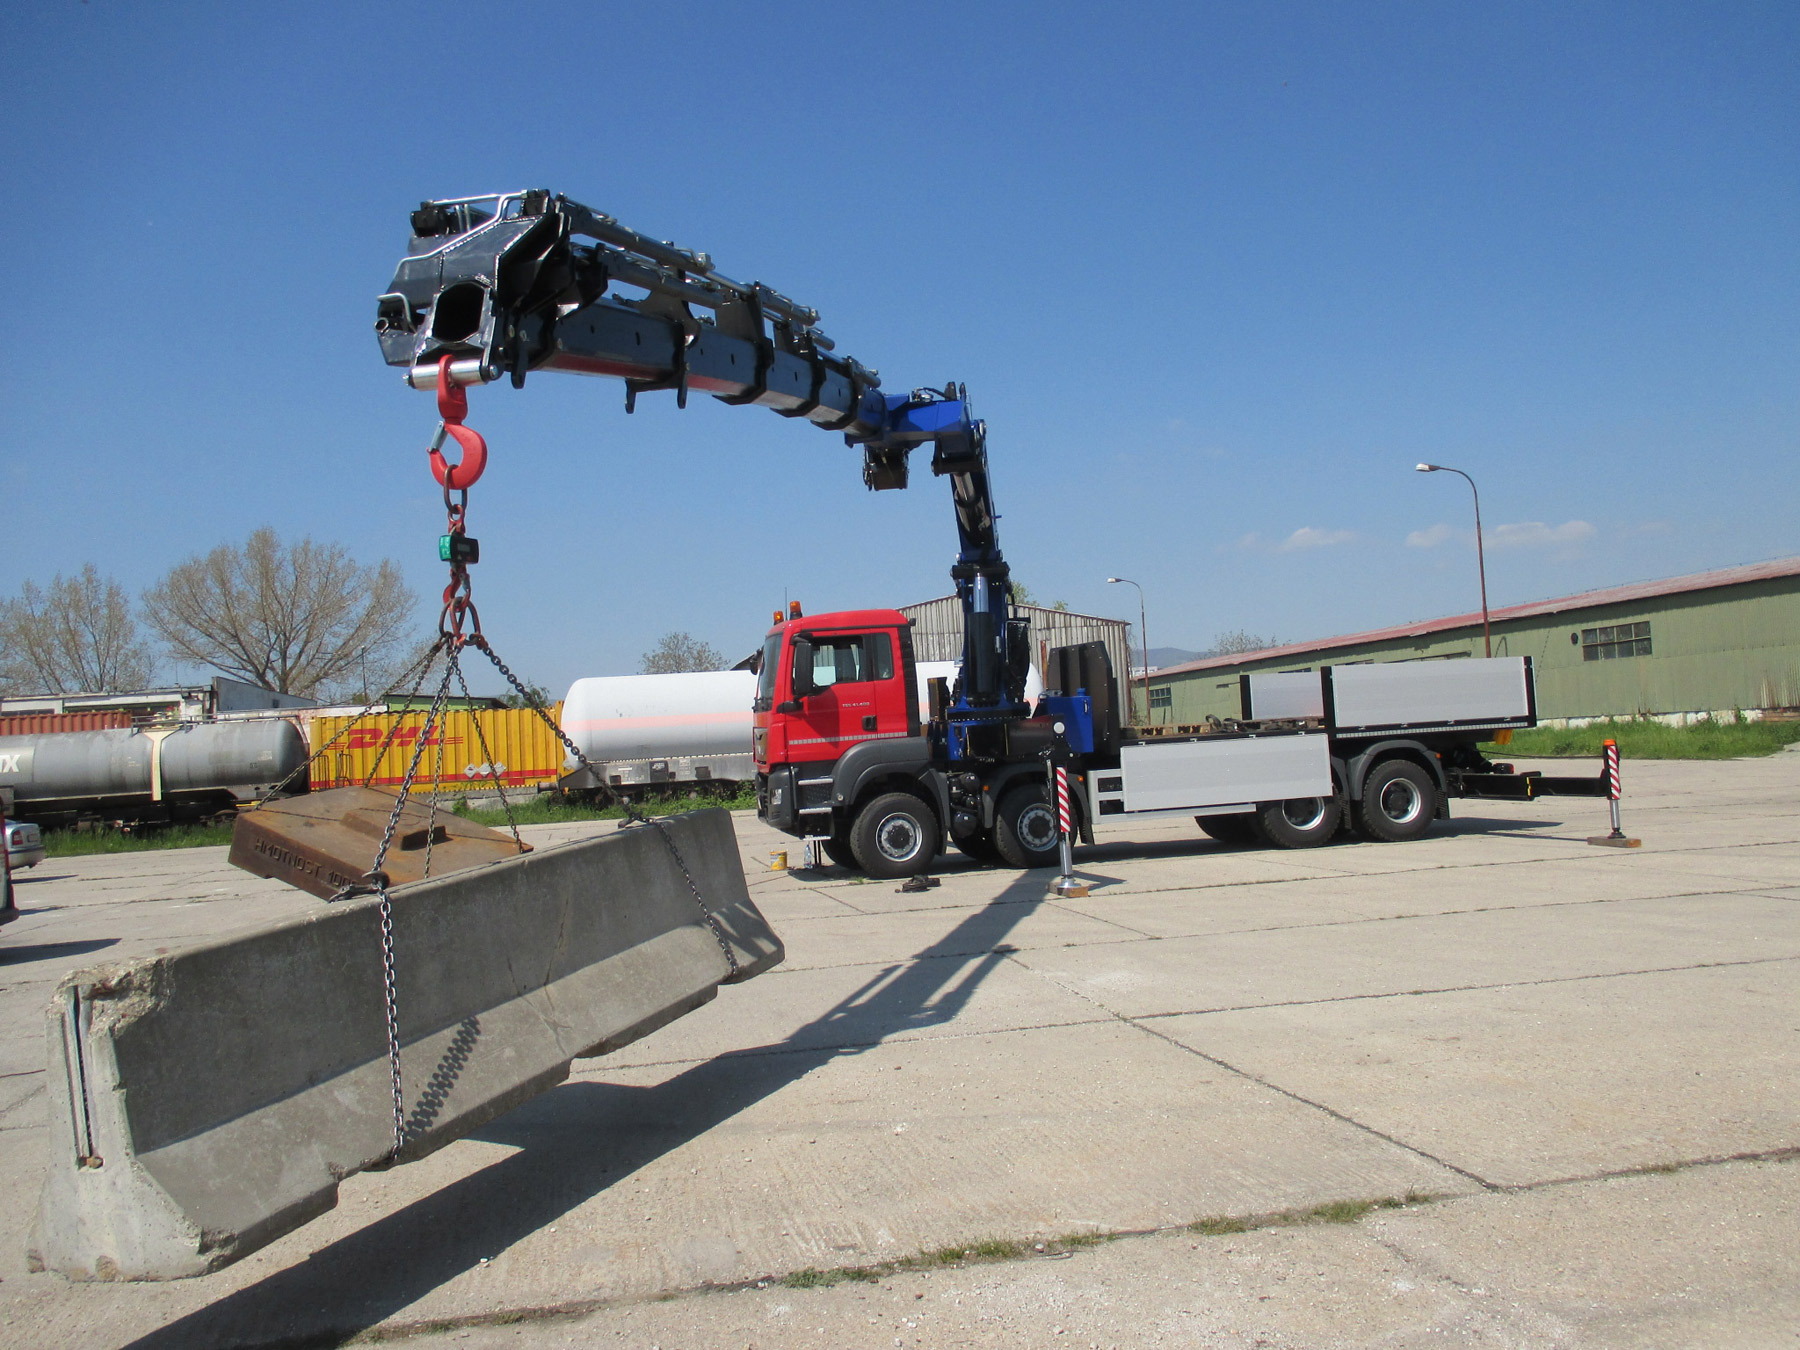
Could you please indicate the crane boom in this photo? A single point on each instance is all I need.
(525, 281)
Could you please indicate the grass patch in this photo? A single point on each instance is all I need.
(813, 1278)
(79, 843)
(1646, 739)
(1219, 1225)
(1332, 1211)
(985, 1250)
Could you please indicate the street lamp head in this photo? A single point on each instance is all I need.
(1112, 581)
(1426, 468)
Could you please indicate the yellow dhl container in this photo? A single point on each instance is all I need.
(525, 753)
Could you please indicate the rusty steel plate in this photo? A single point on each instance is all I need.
(324, 841)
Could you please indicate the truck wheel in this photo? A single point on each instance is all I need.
(896, 835)
(1302, 822)
(1398, 801)
(1025, 828)
(1236, 830)
(838, 850)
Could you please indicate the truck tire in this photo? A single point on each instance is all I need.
(1399, 800)
(1303, 822)
(838, 850)
(1237, 830)
(1025, 828)
(896, 835)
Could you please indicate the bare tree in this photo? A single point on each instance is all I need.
(1236, 641)
(677, 652)
(291, 617)
(78, 636)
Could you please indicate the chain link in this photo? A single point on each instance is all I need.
(376, 883)
(487, 758)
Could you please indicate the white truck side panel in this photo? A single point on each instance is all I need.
(1292, 693)
(1429, 693)
(1176, 775)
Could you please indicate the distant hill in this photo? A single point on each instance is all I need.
(1171, 656)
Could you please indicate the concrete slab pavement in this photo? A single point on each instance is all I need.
(938, 1069)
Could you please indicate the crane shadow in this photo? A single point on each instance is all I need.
(576, 1140)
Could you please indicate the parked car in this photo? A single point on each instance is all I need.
(24, 844)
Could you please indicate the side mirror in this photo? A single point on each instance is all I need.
(802, 674)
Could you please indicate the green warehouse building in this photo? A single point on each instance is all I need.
(1709, 643)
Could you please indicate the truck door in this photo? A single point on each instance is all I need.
(860, 696)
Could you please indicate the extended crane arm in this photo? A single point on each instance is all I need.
(523, 281)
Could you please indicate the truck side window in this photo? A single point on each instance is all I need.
(852, 658)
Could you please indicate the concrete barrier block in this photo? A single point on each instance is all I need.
(205, 1102)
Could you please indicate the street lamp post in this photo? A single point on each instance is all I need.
(1144, 636)
(1487, 640)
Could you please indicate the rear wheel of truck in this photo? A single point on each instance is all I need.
(1302, 822)
(1238, 829)
(896, 835)
(1025, 828)
(1399, 800)
(839, 851)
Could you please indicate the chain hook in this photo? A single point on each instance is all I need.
(453, 406)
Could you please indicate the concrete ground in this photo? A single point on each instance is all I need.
(1565, 1076)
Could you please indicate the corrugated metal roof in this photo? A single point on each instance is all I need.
(1612, 595)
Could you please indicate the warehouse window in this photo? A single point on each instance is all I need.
(1162, 696)
(1621, 639)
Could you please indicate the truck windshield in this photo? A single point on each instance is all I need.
(765, 675)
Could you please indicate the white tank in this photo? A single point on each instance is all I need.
(948, 670)
(615, 717)
(631, 717)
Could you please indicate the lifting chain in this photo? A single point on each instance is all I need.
(459, 626)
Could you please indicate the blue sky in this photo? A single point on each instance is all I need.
(1217, 275)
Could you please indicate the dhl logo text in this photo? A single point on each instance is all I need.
(367, 738)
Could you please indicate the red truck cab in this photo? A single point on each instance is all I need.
(836, 724)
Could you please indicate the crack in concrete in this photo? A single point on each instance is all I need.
(1476, 988)
(1245, 1074)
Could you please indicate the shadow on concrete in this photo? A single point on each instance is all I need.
(578, 1139)
(19, 954)
(1522, 829)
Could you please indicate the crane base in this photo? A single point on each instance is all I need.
(204, 1103)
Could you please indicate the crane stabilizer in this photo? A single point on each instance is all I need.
(206, 1102)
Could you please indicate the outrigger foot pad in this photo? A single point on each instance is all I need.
(204, 1103)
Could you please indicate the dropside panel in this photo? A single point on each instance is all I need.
(1219, 771)
(1415, 695)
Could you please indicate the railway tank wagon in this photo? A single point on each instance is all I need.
(186, 771)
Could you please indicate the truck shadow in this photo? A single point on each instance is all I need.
(580, 1138)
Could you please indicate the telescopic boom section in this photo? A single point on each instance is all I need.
(523, 281)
